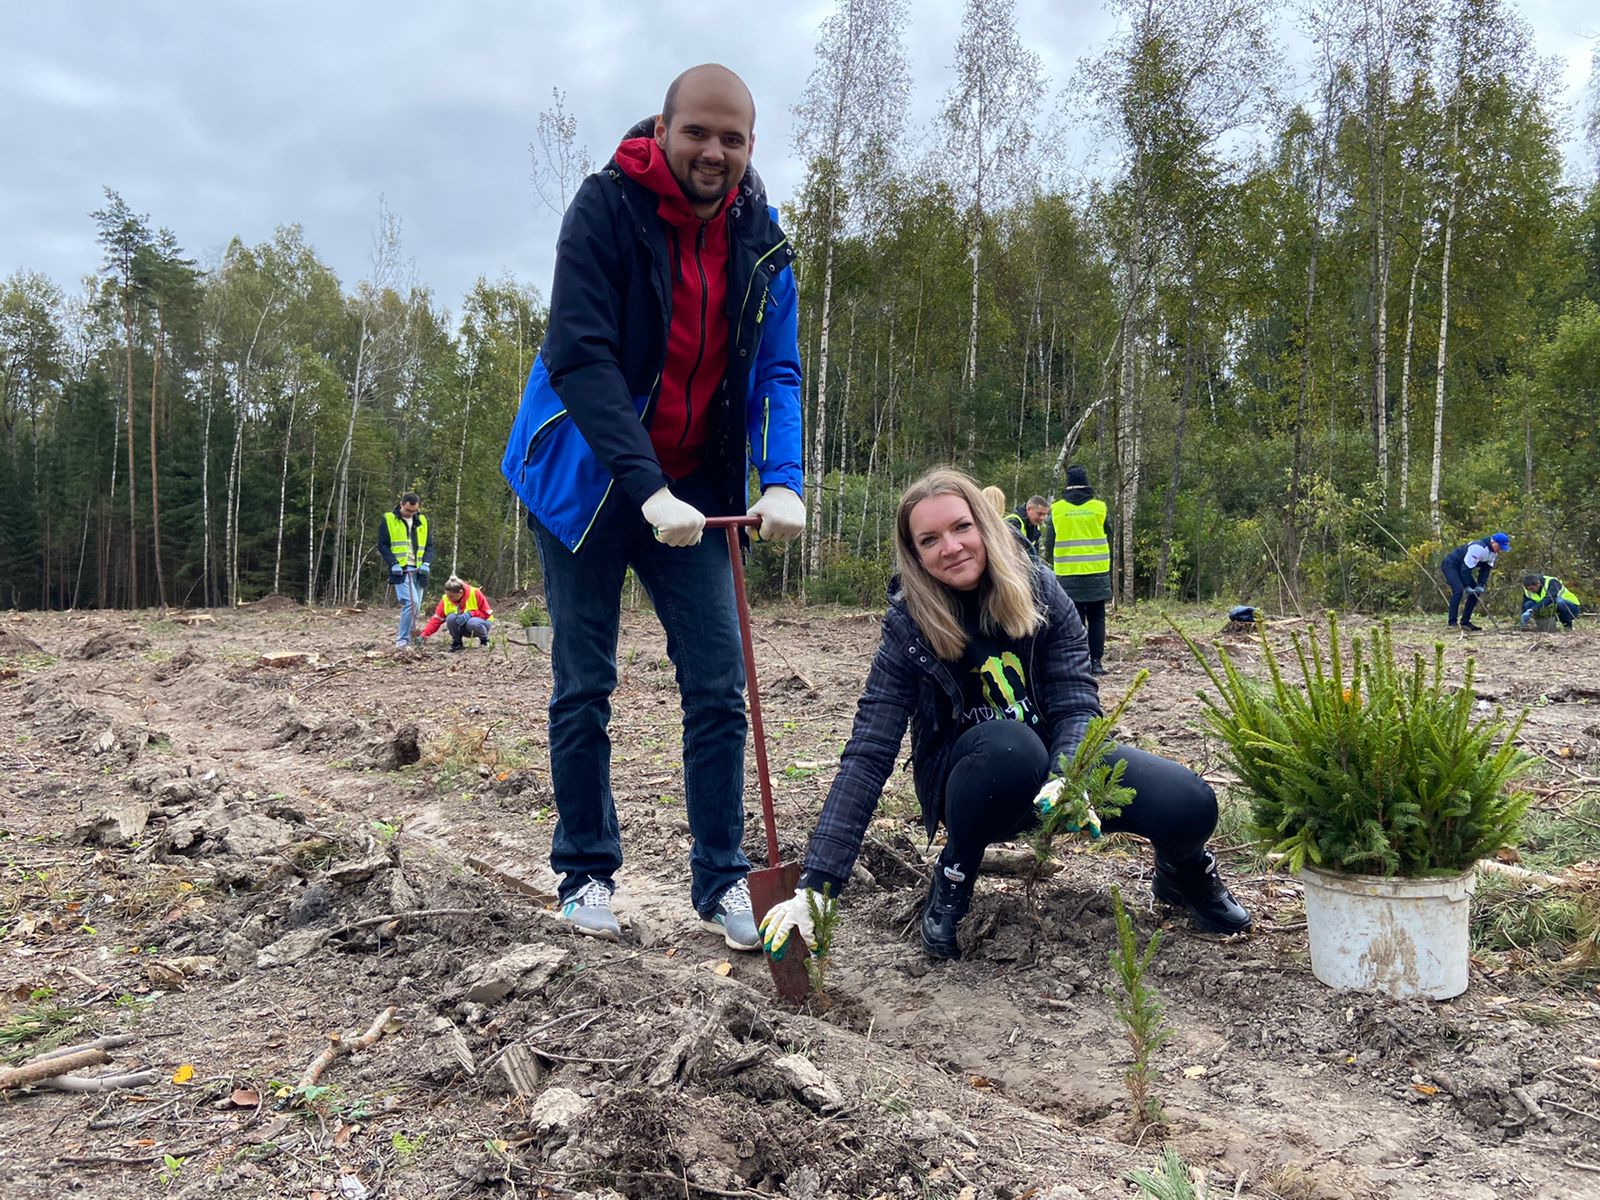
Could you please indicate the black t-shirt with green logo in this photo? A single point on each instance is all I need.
(992, 675)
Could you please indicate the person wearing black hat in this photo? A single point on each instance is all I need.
(1458, 568)
(1080, 551)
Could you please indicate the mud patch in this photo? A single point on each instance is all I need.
(14, 644)
(112, 643)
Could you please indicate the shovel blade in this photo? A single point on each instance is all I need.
(774, 885)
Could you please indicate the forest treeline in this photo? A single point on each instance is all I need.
(1306, 322)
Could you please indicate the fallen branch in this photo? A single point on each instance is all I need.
(103, 1083)
(112, 1041)
(41, 1069)
(415, 914)
(338, 1046)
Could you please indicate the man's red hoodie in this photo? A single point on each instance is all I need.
(697, 342)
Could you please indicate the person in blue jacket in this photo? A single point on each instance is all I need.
(670, 367)
(986, 660)
(1466, 569)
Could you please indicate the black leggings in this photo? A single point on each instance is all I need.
(998, 767)
(1093, 614)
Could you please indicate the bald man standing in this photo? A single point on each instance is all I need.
(670, 367)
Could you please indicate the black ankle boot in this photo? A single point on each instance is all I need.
(1096, 667)
(1196, 888)
(942, 911)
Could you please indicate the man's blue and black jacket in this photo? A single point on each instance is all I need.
(581, 435)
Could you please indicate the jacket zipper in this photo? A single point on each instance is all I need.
(700, 350)
(744, 305)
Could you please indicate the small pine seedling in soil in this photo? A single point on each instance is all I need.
(824, 921)
(1170, 1181)
(1140, 1013)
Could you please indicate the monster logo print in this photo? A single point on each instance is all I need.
(1005, 688)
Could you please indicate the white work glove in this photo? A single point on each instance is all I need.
(674, 522)
(793, 916)
(1527, 616)
(1049, 799)
(782, 513)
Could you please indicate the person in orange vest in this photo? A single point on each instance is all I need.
(464, 610)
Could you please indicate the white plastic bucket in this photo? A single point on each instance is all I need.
(1406, 937)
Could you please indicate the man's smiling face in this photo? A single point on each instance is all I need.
(708, 141)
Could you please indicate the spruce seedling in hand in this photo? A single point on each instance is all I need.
(824, 912)
(1091, 787)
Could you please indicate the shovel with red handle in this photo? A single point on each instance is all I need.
(775, 882)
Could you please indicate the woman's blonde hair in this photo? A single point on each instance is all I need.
(455, 584)
(996, 499)
(1005, 594)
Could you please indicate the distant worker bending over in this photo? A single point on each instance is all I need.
(1466, 569)
(1545, 596)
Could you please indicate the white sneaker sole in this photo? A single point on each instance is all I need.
(727, 938)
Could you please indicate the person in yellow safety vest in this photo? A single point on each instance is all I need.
(1081, 554)
(463, 610)
(997, 501)
(404, 545)
(1028, 521)
(1545, 596)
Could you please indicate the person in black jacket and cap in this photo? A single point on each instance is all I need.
(1080, 552)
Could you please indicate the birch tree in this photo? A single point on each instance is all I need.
(1169, 87)
(989, 117)
(558, 162)
(125, 235)
(849, 123)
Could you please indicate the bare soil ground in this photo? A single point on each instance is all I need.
(232, 858)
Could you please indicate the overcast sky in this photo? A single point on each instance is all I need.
(229, 119)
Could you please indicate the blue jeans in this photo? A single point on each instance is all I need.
(692, 590)
(466, 625)
(409, 592)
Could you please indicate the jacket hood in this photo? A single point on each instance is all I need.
(751, 192)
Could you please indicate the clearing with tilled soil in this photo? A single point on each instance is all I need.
(227, 837)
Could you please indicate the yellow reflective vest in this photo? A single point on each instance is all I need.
(405, 555)
(1543, 597)
(471, 601)
(1080, 538)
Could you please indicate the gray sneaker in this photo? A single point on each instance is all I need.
(733, 918)
(589, 910)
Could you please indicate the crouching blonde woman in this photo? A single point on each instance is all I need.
(985, 658)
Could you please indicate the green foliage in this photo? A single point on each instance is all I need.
(1364, 766)
(824, 912)
(405, 1145)
(171, 1168)
(1509, 915)
(1170, 1181)
(36, 1027)
(1088, 781)
(531, 614)
(1139, 1011)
